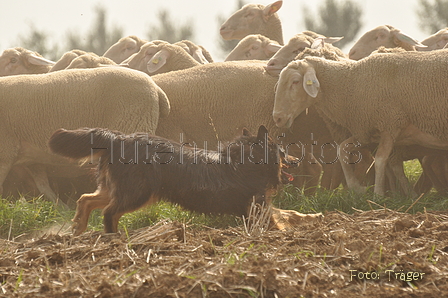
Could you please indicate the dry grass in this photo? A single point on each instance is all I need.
(172, 259)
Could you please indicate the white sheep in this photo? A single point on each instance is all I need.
(400, 153)
(387, 36)
(436, 41)
(18, 60)
(253, 47)
(298, 43)
(124, 48)
(254, 19)
(199, 53)
(117, 98)
(160, 58)
(391, 99)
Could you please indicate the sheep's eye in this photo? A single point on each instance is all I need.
(13, 60)
(254, 48)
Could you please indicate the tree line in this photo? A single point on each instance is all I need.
(334, 18)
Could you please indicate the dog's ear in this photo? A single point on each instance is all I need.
(262, 133)
(246, 132)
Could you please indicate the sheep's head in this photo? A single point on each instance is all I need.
(250, 19)
(437, 41)
(66, 59)
(197, 52)
(163, 57)
(90, 60)
(124, 48)
(254, 47)
(296, 90)
(140, 60)
(296, 45)
(18, 60)
(386, 36)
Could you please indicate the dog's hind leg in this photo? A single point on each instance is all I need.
(86, 203)
(117, 207)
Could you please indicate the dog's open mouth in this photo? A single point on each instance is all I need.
(286, 177)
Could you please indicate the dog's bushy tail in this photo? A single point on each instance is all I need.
(81, 143)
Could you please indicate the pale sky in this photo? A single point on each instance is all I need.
(56, 17)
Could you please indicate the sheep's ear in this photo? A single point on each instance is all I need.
(272, 48)
(310, 82)
(400, 37)
(158, 60)
(36, 60)
(318, 43)
(199, 56)
(270, 9)
(332, 40)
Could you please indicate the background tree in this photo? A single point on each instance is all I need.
(335, 18)
(226, 46)
(168, 31)
(38, 41)
(433, 15)
(99, 38)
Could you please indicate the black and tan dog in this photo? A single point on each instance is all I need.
(138, 169)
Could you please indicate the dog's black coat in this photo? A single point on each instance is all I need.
(136, 169)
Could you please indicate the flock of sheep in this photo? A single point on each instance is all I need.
(346, 116)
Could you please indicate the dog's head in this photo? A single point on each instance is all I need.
(260, 149)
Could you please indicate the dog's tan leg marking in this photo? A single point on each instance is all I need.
(85, 205)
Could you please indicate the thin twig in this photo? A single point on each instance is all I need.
(412, 205)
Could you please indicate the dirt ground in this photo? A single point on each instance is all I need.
(379, 253)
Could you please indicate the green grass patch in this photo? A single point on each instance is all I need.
(347, 201)
(164, 210)
(28, 215)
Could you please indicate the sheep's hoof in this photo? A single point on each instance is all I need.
(288, 219)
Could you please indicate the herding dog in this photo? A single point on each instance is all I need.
(138, 169)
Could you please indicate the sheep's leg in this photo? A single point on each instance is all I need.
(327, 176)
(396, 165)
(424, 182)
(434, 167)
(337, 176)
(363, 168)
(4, 170)
(313, 171)
(381, 157)
(39, 175)
(349, 146)
(85, 205)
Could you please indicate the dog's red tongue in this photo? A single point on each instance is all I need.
(289, 176)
